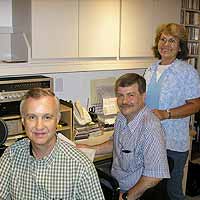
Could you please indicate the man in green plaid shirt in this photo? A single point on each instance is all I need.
(43, 166)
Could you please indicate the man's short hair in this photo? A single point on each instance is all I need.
(129, 79)
(37, 93)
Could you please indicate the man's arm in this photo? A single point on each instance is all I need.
(103, 148)
(141, 186)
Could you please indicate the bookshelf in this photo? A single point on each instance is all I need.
(190, 18)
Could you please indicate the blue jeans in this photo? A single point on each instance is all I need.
(174, 184)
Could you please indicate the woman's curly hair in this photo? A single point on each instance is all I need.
(177, 31)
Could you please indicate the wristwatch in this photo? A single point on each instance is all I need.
(169, 113)
(125, 196)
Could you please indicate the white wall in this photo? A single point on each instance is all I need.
(74, 86)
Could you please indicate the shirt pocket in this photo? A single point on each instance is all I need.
(129, 162)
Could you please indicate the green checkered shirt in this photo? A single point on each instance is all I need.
(65, 174)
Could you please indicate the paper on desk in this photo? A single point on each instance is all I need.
(62, 137)
(110, 106)
(90, 153)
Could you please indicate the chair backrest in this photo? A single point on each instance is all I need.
(109, 185)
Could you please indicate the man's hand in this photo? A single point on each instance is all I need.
(120, 196)
(82, 146)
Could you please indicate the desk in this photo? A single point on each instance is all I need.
(95, 140)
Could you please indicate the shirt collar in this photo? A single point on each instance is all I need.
(47, 159)
(134, 122)
(155, 65)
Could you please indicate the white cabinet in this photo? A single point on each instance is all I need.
(88, 28)
(54, 28)
(83, 28)
(139, 20)
(166, 12)
(5, 14)
(5, 28)
(136, 28)
(14, 21)
(68, 29)
(99, 28)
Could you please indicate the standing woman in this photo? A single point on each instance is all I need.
(173, 94)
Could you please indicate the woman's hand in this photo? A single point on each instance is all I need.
(161, 114)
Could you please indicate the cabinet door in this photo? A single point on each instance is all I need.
(5, 27)
(139, 20)
(54, 28)
(6, 13)
(98, 28)
(166, 12)
(136, 28)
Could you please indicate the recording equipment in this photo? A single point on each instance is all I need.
(12, 89)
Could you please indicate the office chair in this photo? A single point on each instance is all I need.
(109, 185)
(111, 188)
(3, 136)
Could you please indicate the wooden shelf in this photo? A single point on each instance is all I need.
(193, 41)
(191, 10)
(11, 117)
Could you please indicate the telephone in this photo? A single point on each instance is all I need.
(80, 114)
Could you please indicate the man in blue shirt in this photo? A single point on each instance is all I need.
(138, 144)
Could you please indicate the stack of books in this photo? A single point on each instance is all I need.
(83, 132)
